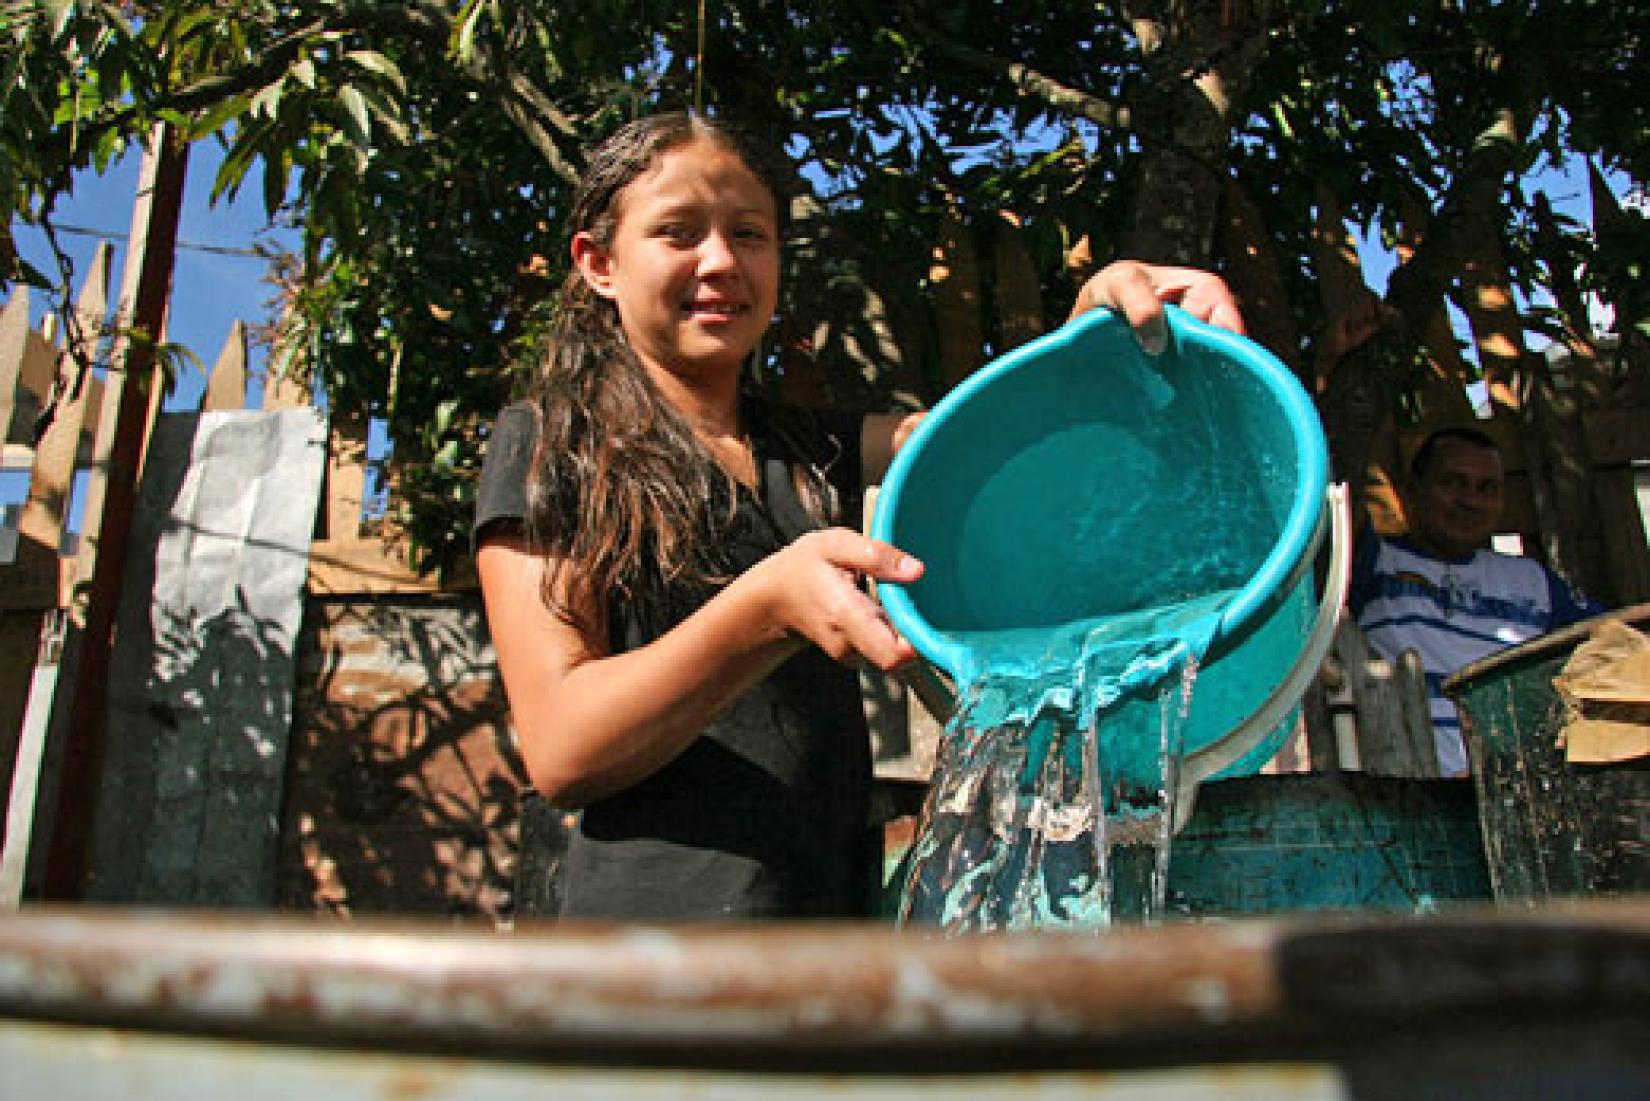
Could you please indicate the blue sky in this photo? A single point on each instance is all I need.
(214, 283)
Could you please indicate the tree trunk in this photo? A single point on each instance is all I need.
(1355, 401)
(1366, 385)
(1017, 285)
(1442, 390)
(1522, 385)
(1186, 127)
(1256, 277)
(1341, 284)
(955, 277)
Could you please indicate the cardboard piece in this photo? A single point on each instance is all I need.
(1605, 687)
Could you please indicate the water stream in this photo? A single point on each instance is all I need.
(1054, 788)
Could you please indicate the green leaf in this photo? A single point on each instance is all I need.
(58, 14)
(277, 168)
(379, 65)
(268, 100)
(200, 20)
(356, 114)
(31, 275)
(243, 150)
(444, 414)
(463, 43)
(173, 360)
(215, 118)
(386, 113)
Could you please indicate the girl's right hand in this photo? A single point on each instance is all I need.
(816, 590)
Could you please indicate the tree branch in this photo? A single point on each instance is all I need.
(1026, 80)
(525, 104)
(532, 112)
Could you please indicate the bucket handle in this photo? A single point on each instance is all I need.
(1210, 760)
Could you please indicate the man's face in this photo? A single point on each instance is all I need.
(1455, 505)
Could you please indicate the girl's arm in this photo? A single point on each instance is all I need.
(592, 723)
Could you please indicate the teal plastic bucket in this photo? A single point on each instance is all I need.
(1077, 478)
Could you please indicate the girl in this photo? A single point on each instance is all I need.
(672, 609)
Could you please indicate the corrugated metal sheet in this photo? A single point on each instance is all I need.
(200, 706)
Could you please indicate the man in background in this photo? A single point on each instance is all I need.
(1440, 590)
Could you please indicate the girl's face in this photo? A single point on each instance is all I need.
(693, 267)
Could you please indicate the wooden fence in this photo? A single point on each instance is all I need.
(401, 789)
(39, 582)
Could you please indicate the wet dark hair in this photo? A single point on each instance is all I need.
(623, 495)
(1459, 432)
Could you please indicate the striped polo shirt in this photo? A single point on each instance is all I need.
(1453, 613)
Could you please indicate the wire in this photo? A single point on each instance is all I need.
(111, 235)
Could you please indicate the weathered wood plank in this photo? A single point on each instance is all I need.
(346, 478)
(339, 567)
(1387, 703)
(1626, 546)
(28, 363)
(39, 578)
(226, 385)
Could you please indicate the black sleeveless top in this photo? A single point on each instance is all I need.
(766, 813)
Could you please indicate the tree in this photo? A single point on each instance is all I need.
(975, 158)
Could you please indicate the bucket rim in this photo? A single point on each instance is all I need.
(1636, 616)
(1270, 582)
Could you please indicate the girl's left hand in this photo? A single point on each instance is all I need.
(1138, 292)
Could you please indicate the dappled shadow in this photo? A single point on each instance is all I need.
(191, 772)
(404, 789)
(860, 348)
(200, 680)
